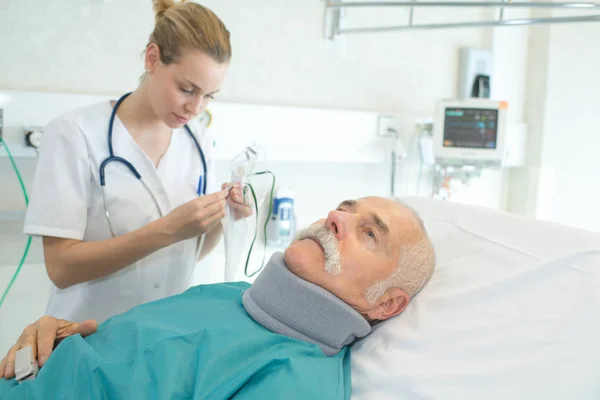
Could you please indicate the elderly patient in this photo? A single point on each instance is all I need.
(286, 336)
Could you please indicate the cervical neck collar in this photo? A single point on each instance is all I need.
(286, 304)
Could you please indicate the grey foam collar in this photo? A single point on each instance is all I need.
(286, 304)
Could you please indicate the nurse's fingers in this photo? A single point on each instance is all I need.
(240, 210)
(212, 198)
(214, 214)
(211, 209)
(236, 195)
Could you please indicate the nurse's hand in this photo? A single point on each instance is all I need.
(194, 218)
(236, 201)
(43, 336)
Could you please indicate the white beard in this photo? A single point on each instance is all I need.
(328, 241)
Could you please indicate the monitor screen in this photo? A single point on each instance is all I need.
(475, 128)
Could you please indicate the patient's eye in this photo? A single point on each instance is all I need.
(371, 234)
(187, 90)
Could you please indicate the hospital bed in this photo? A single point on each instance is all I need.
(512, 312)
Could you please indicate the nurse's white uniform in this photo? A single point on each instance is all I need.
(66, 201)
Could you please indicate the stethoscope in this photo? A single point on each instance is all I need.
(112, 157)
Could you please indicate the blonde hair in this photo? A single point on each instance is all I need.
(414, 269)
(189, 26)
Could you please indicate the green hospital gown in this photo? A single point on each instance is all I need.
(201, 344)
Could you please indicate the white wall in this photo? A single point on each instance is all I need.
(279, 56)
(559, 182)
(523, 195)
(571, 135)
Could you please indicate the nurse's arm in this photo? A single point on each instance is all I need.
(70, 262)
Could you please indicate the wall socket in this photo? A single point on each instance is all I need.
(385, 126)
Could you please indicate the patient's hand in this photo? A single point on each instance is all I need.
(43, 336)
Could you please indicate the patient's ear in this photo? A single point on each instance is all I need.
(392, 303)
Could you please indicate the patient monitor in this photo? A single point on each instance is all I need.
(471, 131)
(469, 136)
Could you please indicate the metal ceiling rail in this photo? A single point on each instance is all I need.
(333, 9)
(489, 4)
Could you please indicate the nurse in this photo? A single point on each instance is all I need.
(124, 194)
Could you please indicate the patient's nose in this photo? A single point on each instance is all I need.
(337, 222)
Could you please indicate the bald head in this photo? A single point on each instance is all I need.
(416, 259)
(373, 253)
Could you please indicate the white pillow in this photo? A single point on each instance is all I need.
(512, 312)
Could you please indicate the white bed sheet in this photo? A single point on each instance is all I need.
(512, 312)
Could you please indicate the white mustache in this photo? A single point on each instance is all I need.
(328, 241)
